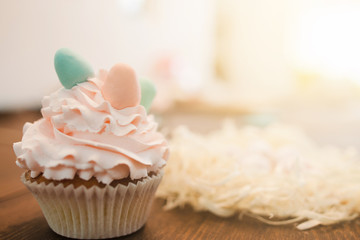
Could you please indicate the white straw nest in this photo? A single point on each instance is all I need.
(268, 173)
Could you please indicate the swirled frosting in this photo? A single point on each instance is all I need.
(82, 134)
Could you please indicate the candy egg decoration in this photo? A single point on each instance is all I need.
(71, 68)
(148, 92)
(121, 87)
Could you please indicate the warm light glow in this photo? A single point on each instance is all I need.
(328, 42)
(131, 6)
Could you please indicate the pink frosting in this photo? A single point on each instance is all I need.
(82, 134)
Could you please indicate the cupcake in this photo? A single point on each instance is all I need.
(95, 159)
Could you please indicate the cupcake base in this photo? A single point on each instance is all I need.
(95, 212)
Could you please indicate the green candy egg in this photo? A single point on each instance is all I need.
(148, 92)
(71, 68)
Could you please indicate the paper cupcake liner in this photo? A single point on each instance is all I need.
(95, 213)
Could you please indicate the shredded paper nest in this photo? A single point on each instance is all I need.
(275, 174)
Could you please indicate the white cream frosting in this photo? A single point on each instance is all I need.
(82, 134)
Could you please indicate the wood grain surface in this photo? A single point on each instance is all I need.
(21, 217)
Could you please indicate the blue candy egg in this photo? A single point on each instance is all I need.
(71, 68)
(148, 92)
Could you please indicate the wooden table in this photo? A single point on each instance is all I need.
(21, 217)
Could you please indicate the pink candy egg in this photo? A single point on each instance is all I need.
(121, 88)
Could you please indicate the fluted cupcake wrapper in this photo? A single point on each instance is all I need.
(95, 213)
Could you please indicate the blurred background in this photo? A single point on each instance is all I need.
(258, 61)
